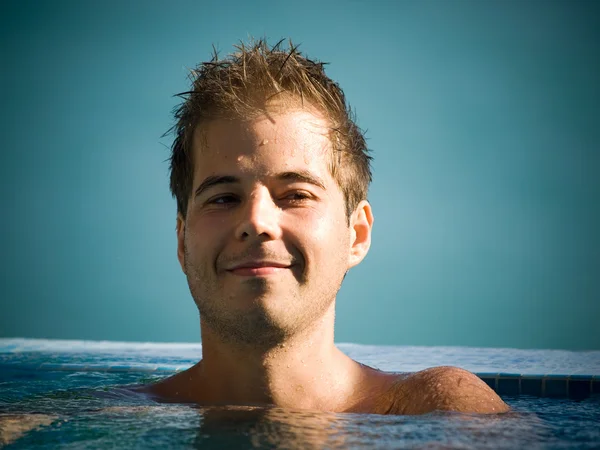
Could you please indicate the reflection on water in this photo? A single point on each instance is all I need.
(247, 427)
(244, 427)
(182, 426)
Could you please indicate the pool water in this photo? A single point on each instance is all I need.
(77, 401)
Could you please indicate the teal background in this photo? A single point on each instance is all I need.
(484, 119)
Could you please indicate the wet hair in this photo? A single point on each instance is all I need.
(242, 85)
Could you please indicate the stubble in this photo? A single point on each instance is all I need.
(255, 324)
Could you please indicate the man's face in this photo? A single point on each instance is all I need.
(266, 242)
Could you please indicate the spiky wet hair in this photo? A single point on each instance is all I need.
(242, 85)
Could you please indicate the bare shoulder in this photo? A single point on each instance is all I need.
(159, 388)
(171, 389)
(444, 389)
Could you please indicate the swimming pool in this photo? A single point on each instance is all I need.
(66, 394)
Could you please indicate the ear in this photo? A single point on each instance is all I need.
(361, 224)
(181, 241)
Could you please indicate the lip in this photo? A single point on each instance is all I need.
(258, 268)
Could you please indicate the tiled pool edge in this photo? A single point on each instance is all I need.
(551, 385)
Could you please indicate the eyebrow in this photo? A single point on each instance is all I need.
(301, 176)
(215, 180)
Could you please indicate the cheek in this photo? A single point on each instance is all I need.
(203, 237)
(323, 234)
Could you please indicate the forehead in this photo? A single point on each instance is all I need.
(274, 142)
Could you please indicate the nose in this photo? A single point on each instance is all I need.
(260, 217)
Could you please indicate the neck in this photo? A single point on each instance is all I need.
(306, 371)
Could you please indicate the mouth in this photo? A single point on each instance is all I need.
(258, 268)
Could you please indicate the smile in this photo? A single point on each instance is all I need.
(255, 269)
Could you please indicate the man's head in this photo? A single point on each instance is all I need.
(243, 85)
(271, 208)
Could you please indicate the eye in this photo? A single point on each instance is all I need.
(297, 196)
(222, 200)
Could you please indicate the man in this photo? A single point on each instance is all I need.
(271, 174)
